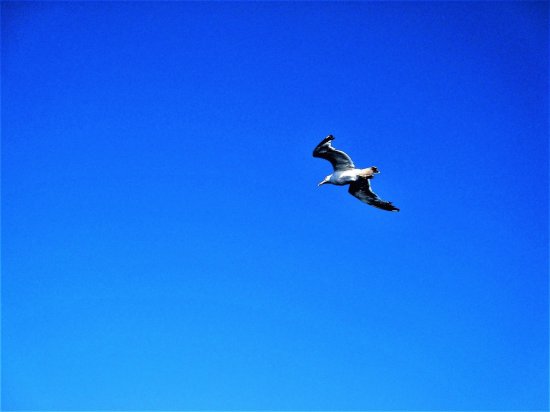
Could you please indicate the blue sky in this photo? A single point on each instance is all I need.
(164, 242)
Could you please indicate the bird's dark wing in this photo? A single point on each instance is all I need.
(338, 159)
(362, 191)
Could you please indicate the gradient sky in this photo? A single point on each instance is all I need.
(164, 242)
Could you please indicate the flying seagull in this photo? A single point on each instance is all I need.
(346, 173)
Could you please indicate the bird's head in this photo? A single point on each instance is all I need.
(375, 170)
(325, 180)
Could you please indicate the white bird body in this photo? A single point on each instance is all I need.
(345, 177)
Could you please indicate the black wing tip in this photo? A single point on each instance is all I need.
(392, 208)
(388, 206)
(327, 139)
(320, 146)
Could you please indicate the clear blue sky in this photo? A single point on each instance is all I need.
(164, 242)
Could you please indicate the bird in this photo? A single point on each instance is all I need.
(345, 173)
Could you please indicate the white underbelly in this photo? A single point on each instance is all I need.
(344, 177)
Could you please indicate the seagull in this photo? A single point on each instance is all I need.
(345, 173)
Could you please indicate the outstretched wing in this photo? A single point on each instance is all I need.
(338, 159)
(362, 191)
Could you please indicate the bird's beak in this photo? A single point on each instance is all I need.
(321, 183)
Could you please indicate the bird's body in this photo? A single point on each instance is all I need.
(345, 177)
(345, 173)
